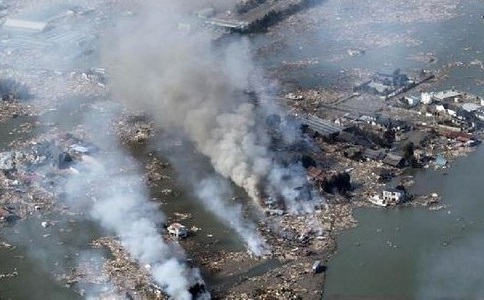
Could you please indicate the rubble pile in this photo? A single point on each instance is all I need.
(278, 292)
(339, 217)
(292, 280)
(9, 275)
(32, 175)
(86, 272)
(293, 236)
(153, 174)
(13, 109)
(132, 129)
(127, 276)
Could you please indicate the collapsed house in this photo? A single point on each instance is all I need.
(385, 84)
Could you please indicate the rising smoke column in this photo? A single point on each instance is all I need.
(212, 192)
(111, 188)
(189, 85)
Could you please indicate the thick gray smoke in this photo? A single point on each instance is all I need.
(111, 188)
(193, 87)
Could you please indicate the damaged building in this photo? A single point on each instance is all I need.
(384, 84)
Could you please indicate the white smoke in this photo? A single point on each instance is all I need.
(212, 193)
(190, 85)
(110, 186)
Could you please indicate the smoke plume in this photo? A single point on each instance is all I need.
(110, 186)
(190, 85)
(212, 192)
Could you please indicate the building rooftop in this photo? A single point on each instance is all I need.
(393, 160)
(470, 107)
(24, 25)
(316, 173)
(177, 226)
(321, 126)
(446, 94)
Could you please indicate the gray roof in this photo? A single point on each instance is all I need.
(446, 94)
(321, 126)
(392, 160)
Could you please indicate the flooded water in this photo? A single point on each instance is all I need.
(38, 260)
(38, 257)
(408, 253)
(401, 253)
(414, 253)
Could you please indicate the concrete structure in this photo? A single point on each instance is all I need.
(377, 200)
(394, 160)
(258, 14)
(178, 230)
(321, 126)
(394, 195)
(412, 101)
(470, 107)
(448, 96)
(19, 24)
(426, 98)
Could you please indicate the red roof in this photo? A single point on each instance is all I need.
(316, 173)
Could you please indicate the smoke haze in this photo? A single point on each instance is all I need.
(111, 187)
(212, 192)
(191, 87)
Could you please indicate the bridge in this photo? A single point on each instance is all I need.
(227, 23)
(258, 14)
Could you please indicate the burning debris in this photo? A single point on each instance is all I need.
(134, 279)
(134, 129)
(64, 169)
(213, 98)
(197, 97)
(11, 89)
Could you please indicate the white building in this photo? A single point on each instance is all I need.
(393, 195)
(27, 25)
(377, 200)
(426, 98)
(470, 107)
(412, 101)
(178, 230)
(448, 96)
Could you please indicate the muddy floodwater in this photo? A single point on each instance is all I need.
(414, 253)
(396, 253)
(407, 253)
(37, 261)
